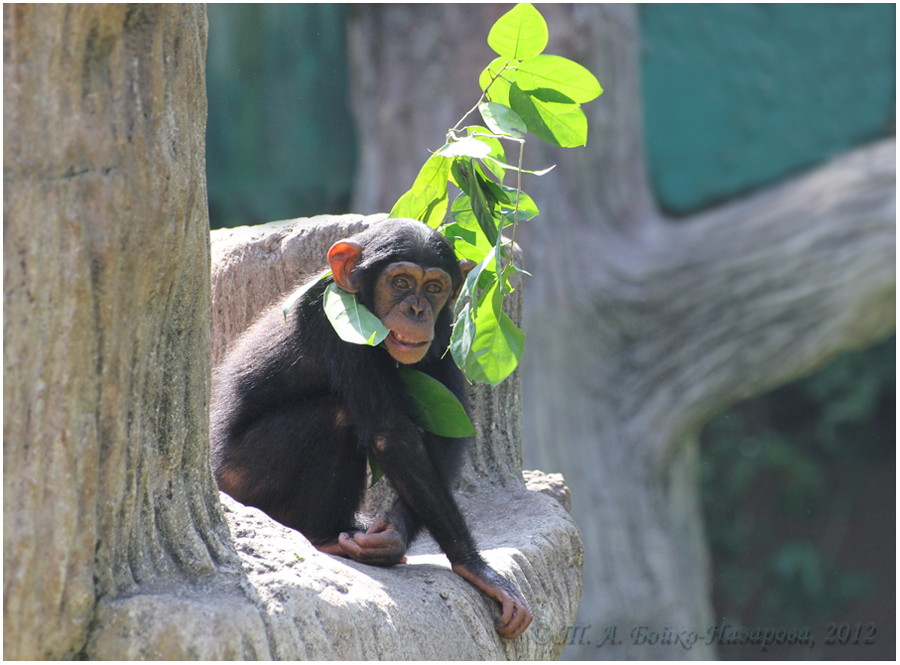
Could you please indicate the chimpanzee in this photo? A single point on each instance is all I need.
(296, 410)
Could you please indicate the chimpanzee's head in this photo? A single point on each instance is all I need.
(406, 273)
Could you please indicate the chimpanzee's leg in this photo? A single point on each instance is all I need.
(302, 466)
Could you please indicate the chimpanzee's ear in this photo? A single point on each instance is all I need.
(465, 266)
(343, 257)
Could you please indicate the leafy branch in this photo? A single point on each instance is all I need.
(523, 91)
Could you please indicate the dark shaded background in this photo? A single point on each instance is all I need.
(799, 485)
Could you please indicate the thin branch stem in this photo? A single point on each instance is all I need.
(518, 192)
(455, 127)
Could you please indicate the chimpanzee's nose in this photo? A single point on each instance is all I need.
(416, 308)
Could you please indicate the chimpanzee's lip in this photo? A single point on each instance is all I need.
(400, 340)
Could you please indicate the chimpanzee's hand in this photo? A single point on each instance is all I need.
(382, 544)
(515, 615)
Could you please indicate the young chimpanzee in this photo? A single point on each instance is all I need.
(296, 410)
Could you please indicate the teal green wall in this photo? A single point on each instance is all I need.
(280, 139)
(739, 95)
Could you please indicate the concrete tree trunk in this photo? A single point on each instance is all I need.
(106, 326)
(638, 329)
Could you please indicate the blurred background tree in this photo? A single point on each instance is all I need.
(798, 485)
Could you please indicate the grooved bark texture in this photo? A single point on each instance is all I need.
(114, 545)
(638, 328)
(107, 491)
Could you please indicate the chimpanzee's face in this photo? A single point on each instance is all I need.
(408, 300)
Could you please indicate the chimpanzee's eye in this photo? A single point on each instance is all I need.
(401, 283)
(434, 288)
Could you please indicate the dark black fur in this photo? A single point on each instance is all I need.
(295, 411)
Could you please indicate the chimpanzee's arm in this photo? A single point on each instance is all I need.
(386, 541)
(402, 454)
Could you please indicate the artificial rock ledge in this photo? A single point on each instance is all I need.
(321, 607)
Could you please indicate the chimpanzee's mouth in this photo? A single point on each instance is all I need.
(400, 340)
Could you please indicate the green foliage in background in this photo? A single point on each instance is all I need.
(770, 471)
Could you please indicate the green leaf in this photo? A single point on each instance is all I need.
(553, 72)
(463, 334)
(486, 345)
(496, 78)
(494, 193)
(461, 212)
(482, 192)
(480, 205)
(467, 250)
(465, 234)
(497, 152)
(497, 344)
(519, 33)
(352, 321)
(299, 293)
(468, 146)
(479, 132)
(508, 167)
(478, 254)
(511, 270)
(468, 288)
(527, 207)
(501, 119)
(507, 347)
(550, 116)
(427, 199)
(438, 409)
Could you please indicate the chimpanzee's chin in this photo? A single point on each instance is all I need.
(408, 358)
